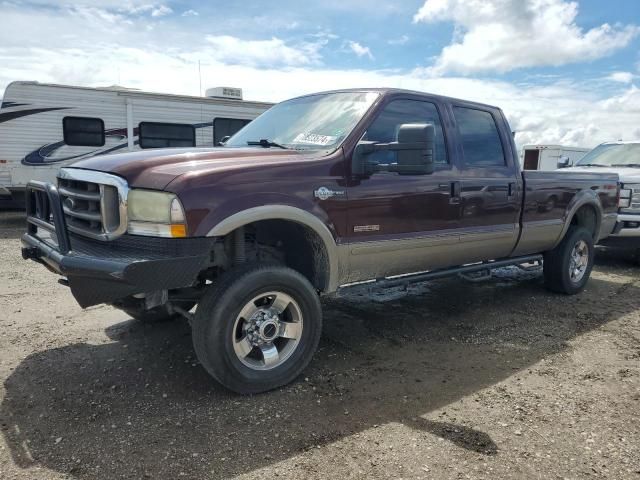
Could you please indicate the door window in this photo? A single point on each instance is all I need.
(384, 128)
(480, 139)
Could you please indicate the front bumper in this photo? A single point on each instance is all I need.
(626, 232)
(105, 271)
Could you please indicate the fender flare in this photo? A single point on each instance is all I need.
(581, 199)
(294, 214)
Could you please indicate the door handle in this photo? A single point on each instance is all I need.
(511, 189)
(456, 190)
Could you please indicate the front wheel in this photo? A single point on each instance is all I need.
(257, 328)
(568, 266)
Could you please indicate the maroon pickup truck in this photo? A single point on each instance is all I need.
(319, 192)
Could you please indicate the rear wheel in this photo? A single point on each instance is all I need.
(568, 266)
(257, 328)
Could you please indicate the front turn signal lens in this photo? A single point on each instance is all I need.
(178, 230)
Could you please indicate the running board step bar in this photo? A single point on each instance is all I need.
(464, 270)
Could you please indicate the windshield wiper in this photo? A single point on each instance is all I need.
(632, 165)
(593, 165)
(263, 142)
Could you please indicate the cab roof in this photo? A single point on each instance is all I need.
(396, 91)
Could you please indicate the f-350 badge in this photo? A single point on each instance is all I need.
(324, 193)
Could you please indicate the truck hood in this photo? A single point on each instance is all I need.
(626, 174)
(155, 169)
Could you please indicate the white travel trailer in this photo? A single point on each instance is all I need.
(44, 126)
(546, 157)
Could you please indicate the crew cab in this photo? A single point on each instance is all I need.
(318, 193)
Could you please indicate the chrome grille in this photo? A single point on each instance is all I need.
(94, 203)
(635, 198)
(81, 205)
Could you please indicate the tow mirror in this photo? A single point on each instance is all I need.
(413, 148)
(564, 162)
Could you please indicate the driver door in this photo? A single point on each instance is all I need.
(403, 223)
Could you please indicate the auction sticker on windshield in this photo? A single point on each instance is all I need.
(315, 139)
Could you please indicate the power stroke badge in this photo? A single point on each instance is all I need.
(324, 193)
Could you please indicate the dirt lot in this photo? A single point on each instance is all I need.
(496, 379)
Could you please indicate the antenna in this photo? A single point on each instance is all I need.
(200, 77)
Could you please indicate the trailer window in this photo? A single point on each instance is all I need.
(83, 131)
(223, 127)
(162, 135)
(481, 142)
(531, 158)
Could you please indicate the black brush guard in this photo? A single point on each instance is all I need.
(101, 271)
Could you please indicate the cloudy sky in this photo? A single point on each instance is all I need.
(563, 71)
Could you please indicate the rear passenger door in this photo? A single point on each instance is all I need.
(489, 189)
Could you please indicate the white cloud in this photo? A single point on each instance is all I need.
(161, 11)
(360, 50)
(399, 41)
(273, 69)
(94, 14)
(107, 4)
(622, 77)
(503, 35)
(190, 13)
(234, 50)
(565, 113)
(155, 10)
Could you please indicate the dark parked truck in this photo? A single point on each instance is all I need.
(319, 192)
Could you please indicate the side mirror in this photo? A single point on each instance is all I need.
(223, 140)
(414, 152)
(564, 162)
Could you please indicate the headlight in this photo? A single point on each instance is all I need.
(155, 214)
(625, 198)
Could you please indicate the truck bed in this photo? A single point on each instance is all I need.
(550, 198)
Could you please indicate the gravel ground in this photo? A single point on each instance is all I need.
(451, 379)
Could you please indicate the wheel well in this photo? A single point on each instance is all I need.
(287, 242)
(587, 217)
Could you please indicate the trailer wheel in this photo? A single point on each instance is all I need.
(568, 266)
(257, 328)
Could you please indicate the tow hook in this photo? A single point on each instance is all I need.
(30, 253)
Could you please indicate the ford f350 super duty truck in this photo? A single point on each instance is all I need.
(319, 192)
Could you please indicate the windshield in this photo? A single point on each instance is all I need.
(613, 155)
(316, 122)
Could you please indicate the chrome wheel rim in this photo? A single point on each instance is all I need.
(267, 330)
(579, 261)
